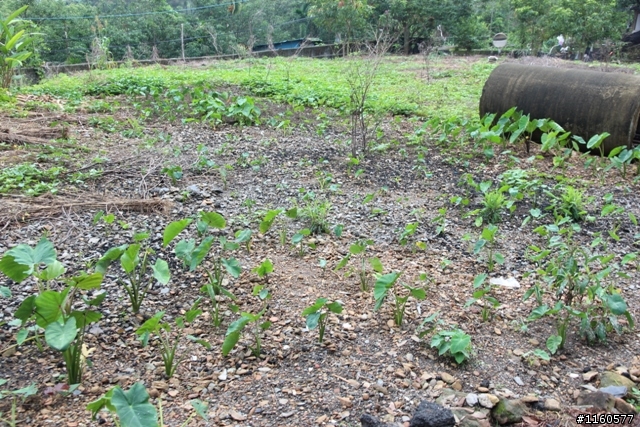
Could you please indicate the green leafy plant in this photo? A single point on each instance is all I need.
(221, 266)
(264, 269)
(483, 293)
(14, 43)
(580, 280)
(133, 408)
(363, 262)
(314, 212)
(317, 314)
(174, 173)
(487, 242)
(30, 179)
(571, 204)
(237, 327)
(385, 284)
(169, 346)
(135, 262)
(11, 419)
(440, 221)
(56, 312)
(409, 230)
(297, 241)
(453, 343)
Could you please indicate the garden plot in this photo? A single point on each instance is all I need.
(218, 233)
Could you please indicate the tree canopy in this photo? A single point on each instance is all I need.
(68, 29)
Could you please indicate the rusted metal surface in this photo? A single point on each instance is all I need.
(583, 102)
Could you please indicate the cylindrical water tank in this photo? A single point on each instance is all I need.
(583, 102)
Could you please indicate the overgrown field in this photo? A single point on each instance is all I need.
(205, 244)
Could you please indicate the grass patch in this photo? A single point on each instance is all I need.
(400, 88)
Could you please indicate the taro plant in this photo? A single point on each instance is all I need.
(482, 292)
(270, 218)
(487, 242)
(385, 284)
(11, 419)
(174, 172)
(235, 329)
(63, 321)
(23, 261)
(62, 318)
(133, 408)
(440, 221)
(409, 230)
(264, 269)
(580, 279)
(452, 343)
(168, 344)
(297, 241)
(221, 266)
(139, 272)
(363, 263)
(318, 313)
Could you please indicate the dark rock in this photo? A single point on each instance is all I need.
(485, 383)
(509, 411)
(370, 421)
(430, 414)
(599, 400)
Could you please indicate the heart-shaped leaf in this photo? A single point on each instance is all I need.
(133, 407)
(60, 335)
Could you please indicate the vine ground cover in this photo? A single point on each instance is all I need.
(416, 180)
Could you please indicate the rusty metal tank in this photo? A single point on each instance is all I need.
(583, 102)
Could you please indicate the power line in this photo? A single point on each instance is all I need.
(123, 15)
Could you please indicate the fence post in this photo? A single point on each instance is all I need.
(182, 40)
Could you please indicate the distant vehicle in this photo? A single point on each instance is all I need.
(288, 44)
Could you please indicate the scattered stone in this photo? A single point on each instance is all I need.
(492, 59)
(482, 389)
(430, 414)
(457, 385)
(223, 375)
(518, 381)
(237, 416)
(509, 411)
(529, 398)
(625, 407)
(447, 378)
(613, 378)
(471, 399)
(615, 390)
(590, 376)
(599, 400)
(370, 421)
(518, 352)
(194, 190)
(552, 405)
(487, 400)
